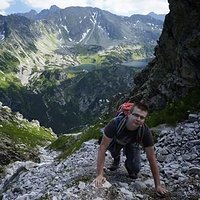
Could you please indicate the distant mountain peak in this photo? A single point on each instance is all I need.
(152, 13)
(54, 8)
(32, 12)
(157, 16)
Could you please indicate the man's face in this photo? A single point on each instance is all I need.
(136, 118)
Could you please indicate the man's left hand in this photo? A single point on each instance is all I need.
(160, 191)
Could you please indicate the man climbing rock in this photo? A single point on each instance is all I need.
(131, 134)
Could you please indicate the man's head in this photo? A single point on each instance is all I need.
(137, 117)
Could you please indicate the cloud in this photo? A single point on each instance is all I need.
(125, 7)
(45, 4)
(119, 7)
(129, 7)
(4, 5)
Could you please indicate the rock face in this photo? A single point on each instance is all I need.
(19, 137)
(176, 66)
(178, 157)
(100, 27)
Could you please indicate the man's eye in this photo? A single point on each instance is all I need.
(138, 116)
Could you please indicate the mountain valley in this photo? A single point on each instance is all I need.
(63, 66)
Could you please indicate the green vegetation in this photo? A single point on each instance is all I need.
(6, 80)
(20, 139)
(114, 56)
(138, 54)
(176, 111)
(68, 144)
(31, 47)
(85, 49)
(53, 77)
(93, 59)
(83, 67)
(8, 62)
(26, 133)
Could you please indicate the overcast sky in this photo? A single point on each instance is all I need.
(119, 7)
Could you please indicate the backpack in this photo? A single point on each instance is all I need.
(120, 121)
(125, 108)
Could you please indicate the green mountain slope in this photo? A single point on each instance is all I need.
(20, 139)
(63, 66)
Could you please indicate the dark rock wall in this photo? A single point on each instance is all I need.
(176, 67)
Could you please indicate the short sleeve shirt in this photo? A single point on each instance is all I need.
(127, 136)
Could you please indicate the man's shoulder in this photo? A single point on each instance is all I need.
(145, 128)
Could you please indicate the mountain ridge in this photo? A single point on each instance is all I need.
(41, 57)
(157, 16)
(110, 30)
(174, 70)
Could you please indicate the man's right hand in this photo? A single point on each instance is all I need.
(99, 181)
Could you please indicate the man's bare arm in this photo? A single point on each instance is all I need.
(153, 164)
(155, 170)
(100, 179)
(101, 154)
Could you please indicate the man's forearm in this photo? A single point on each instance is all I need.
(100, 161)
(155, 172)
(153, 165)
(101, 154)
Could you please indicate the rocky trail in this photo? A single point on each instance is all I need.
(178, 155)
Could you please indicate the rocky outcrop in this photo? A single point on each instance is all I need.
(176, 66)
(93, 26)
(19, 137)
(178, 157)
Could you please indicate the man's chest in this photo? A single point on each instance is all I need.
(127, 137)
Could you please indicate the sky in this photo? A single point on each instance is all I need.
(119, 7)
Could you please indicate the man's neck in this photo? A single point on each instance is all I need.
(132, 128)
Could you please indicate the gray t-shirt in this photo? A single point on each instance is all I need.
(127, 136)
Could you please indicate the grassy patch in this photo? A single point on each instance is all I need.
(176, 111)
(68, 144)
(114, 56)
(53, 77)
(25, 133)
(6, 80)
(8, 62)
(20, 139)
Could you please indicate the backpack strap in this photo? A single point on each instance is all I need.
(120, 122)
(140, 135)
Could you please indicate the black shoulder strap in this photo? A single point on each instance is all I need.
(141, 133)
(120, 123)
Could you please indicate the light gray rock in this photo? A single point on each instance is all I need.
(194, 171)
(193, 117)
(139, 185)
(71, 178)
